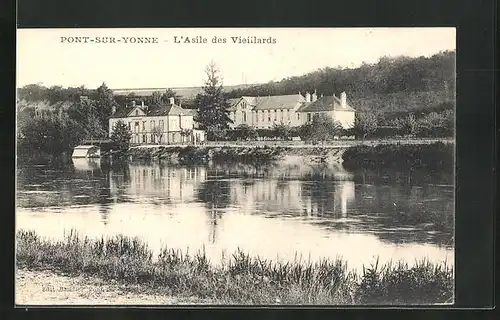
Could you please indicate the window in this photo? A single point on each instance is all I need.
(298, 116)
(152, 123)
(244, 116)
(243, 104)
(276, 115)
(144, 126)
(144, 138)
(289, 114)
(180, 121)
(136, 127)
(256, 117)
(136, 112)
(130, 126)
(269, 115)
(162, 126)
(282, 111)
(262, 118)
(308, 117)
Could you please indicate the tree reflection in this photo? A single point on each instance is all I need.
(215, 194)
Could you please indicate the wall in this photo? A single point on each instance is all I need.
(263, 119)
(346, 118)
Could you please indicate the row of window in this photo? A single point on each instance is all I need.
(137, 124)
(152, 138)
(270, 116)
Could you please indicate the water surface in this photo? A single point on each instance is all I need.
(274, 211)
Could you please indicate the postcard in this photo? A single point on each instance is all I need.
(235, 166)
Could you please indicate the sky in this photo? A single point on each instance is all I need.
(47, 57)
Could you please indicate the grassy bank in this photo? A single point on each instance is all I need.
(241, 279)
(436, 156)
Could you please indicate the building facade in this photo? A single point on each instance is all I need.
(159, 124)
(292, 110)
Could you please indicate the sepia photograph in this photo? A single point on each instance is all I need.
(235, 167)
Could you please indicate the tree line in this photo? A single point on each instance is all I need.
(396, 97)
(391, 85)
(54, 120)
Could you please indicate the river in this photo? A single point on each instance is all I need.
(275, 211)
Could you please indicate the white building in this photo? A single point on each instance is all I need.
(293, 110)
(164, 124)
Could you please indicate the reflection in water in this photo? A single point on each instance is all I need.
(272, 211)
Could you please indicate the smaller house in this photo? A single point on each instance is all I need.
(337, 108)
(158, 124)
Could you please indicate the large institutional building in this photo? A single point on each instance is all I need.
(293, 110)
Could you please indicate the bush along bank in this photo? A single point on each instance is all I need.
(436, 156)
(240, 279)
(197, 155)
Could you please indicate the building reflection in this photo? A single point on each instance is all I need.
(326, 197)
(156, 180)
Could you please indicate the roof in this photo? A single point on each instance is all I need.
(325, 103)
(232, 103)
(269, 102)
(278, 102)
(156, 110)
(85, 147)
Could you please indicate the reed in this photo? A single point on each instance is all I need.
(240, 278)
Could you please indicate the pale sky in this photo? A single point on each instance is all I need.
(43, 58)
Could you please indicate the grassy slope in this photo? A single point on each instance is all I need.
(241, 279)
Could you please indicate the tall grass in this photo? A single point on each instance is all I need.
(240, 279)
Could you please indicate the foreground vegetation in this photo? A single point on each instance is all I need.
(240, 279)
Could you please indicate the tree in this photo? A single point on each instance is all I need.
(121, 136)
(245, 132)
(86, 119)
(105, 102)
(365, 124)
(321, 128)
(156, 98)
(186, 133)
(410, 125)
(212, 105)
(157, 133)
(169, 93)
(282, 131)
(49, 133)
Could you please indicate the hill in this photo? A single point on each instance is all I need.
(393, 85)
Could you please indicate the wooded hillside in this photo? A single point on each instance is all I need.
(392, 85)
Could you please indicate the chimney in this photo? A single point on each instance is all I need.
(314, 96)
(343, 99)
(113, 109)
(142, 103)
(133, 103)
(308, 97)
(172, 100)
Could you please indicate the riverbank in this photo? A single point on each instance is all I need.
(241, 279)
(412, 155)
